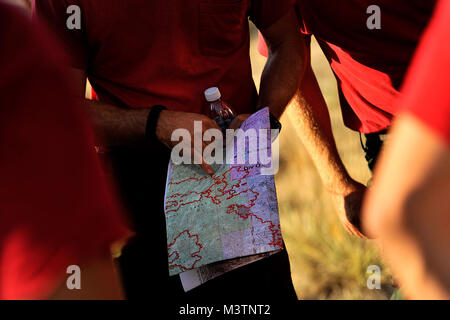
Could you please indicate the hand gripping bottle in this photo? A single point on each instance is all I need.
(219, 111)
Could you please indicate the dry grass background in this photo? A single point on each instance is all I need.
(326, 262)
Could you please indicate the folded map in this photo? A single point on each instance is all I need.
(232, 214)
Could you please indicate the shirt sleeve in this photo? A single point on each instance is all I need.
(55, 207)
(264, 13)
(426, 92)
(58, 16)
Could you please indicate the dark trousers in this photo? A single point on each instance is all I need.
(140, 174)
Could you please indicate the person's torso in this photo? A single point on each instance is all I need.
(143, 53)
(369, 63)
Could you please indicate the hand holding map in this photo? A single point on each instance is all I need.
(232, 214)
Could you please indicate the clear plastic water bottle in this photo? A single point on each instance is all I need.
(219, 111)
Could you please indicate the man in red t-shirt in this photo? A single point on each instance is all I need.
(369, 45)
(140, 55)
(408, 206)
(55, 209)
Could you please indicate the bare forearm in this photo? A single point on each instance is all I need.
(280, 78)
(116, 126)
(312, 122)
(285, 64)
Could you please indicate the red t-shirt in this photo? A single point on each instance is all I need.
(369, 65)
(426, 92)
(145, 52)
(55, 209)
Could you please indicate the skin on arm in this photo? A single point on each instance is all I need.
(113, 125)
(285, 64)
(117, 126)
(408, 208)
(288, 78)
(284, 67)
(310, 115)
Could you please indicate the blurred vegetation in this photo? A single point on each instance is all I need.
(326, 262)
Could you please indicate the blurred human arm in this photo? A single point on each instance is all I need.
(55, 208)
(408, 209)
(408, 205)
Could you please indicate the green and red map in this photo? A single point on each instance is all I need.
(229, 215)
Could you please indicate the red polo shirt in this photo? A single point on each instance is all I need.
(55, 209)
(426, 93)
(139, 53)
(369, 65)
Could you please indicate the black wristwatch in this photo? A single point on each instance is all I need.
(152, 121)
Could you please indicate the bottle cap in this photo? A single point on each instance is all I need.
(212, 94)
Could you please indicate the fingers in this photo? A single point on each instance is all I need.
(207, 168)
(184, 120)
(208, 123)
(237, 122)
(353, 230)
(203, 164)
